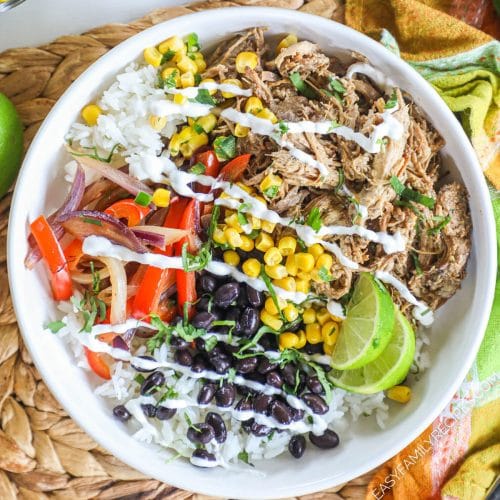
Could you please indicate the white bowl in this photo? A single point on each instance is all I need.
(455, 336)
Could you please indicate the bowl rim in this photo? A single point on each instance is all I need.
(270, 15)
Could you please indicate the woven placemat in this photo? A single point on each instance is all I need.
(43, 453)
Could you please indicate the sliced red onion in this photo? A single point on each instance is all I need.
(131, 184)
(70, 204)
(85, 223)
(158, 236)
(119, 343)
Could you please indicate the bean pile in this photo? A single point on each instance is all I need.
(225, 303)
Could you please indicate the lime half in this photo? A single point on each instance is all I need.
(388, 370)
(367, 329)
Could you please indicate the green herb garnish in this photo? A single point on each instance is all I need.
(341, 182)
(270, 288)
(91, 308)
(198, 168)
(333, 125)
(143, 199)
(225, 147)
(314, 219)
(409, 194)
(416, 262)
(442, 222)
(210, 342)
(204, 97)
(302, 87)
(96, 156)
(243, 456)
(55, 326)
(336, 85)
(324, 274)
(193, 43)
(282, 127)
(271, 191)
(242, 219)
(167, 56)
(393, 100)
(170, 81)
(198, 128)
(196, 262)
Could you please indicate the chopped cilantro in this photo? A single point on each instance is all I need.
(282, 127)
(314, 219)
(231, 324)
(225, 147)
(272, 292)
(271, 191)
(204, 97)
(336, 85)
(196, 262)
(55, 326)
(170, 81)
(139, 378)
(416, 263)
(243, 456)
(301, 86)
(442, 222)
(333, 125)
(302, 244)
(167, 56)
(170, 393)
(198, 168)
(193, 43)
(210, 343)
(409, 194)
(197, 79)
(96, 156)
(393, 100)
(213, 222)
(198, 128)
(242, 219)
(91, 308)
(324, 274)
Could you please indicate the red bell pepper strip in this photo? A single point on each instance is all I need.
(98, 364)
(53, 256)
(211, 162)
(128, 209)
(186, 281)
(73, 253)
(155, 280)
(233, 170)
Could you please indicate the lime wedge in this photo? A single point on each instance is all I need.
(388, 370)
(367, 329)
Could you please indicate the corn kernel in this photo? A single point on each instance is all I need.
(263, 242)
(251, 268)
(246, 60)
(157, 122)
(186, 64)
(330, 332)
(207, 122)
(152, 56)
(270, 181)
(174, 145)
(271, 321)
(91, 113)
(209, 80)
(316, 250)
(174, 43)
(267, 226)
(195, 142)
(301, 334)
(219, 236)
(200, 63)
(270, 306)
(305, 261)
(313, 333)
(256, 222)
(286, 42)
(231, 81)
(276, 272)
(287, 245)
(287, 340)
(291, 313)
(232, 220)
(399, 393)
(253, 105)
(309, 316)
(232, 236)
(246, 244)
(172, 74)
(328, 349)
(317, 276)
(187, 80)
(186, 150)
(240, 130)
(302, 286)
(267, 114)
(231, 257)
(301, 275)
(324, 260)
(291, 265)
(186, 134)
(287, 283)
(272, 256)
(161, 197)
(180, 99)
(322, 315)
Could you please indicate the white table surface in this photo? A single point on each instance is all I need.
(39, 21)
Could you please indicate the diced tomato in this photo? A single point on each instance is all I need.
(54, 258)
(233, 170)
(211, 162)
(98, 364)
(128, 209)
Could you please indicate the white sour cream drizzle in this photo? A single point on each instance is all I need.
(192, 92)
(422, 311)
(382, 80)
(174, 111)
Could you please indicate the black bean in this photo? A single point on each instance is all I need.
(246, 425)
(218, 350)
(232, 313)
(261, 403)
(178, 343)
(203, 304)
(199, 363)
(208, 283)
(221, 363)
(245, 391)
(329, 439)
(260, 430)
(199, 343)
(268, 342)
(231, 349)
(275, 379)
(225, 395)
(203, 455)
(297, 414)
(314, 348)
(257, 377)
(315, 402)
(206, 393)
(314, 385)
(183, 357)
(121, 413)
(215, 421)
(201, 433)
(265, 366)
(289, 372)
(246, 365)
(149, 410)
(203, 320)
(280, 411)
(249, 321)
(255, 298)
(226, 294)
(297, 446)
(149, 385)
(143, 370)
(244, 404)
(242, 297)
(164, 413)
